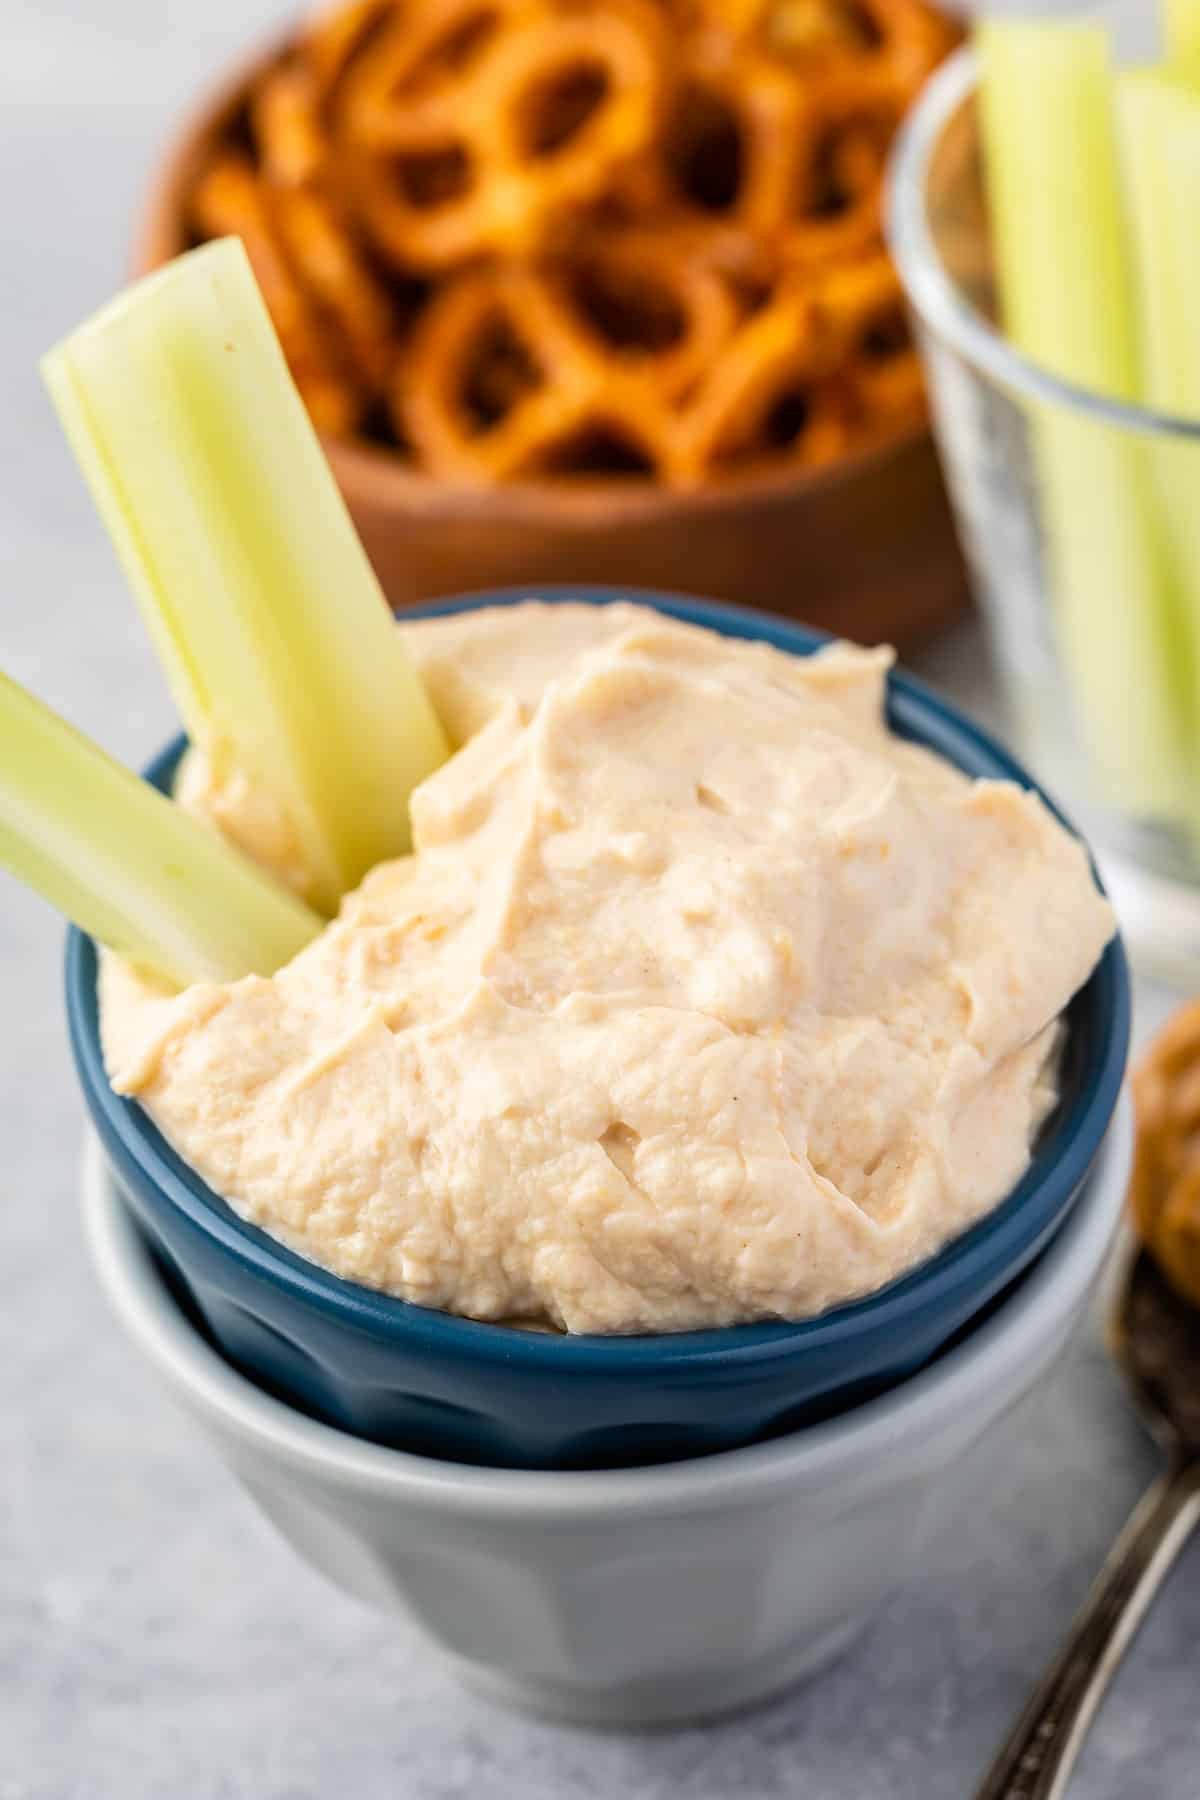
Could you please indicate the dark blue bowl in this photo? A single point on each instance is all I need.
(450, 1387)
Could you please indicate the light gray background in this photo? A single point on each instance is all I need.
(155, 1638)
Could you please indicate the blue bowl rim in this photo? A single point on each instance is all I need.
(916, 712)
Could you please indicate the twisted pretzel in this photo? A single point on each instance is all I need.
(835, 205)
(410, 77)
(333, 36)
(314, 236)
(771, 396)
(863, 304)
(732, 146)
(636, 304)
(596, 236)
(1164, 1188)
(796, 173)
(284, 120)
(505, 379)
(893, 45)
(473, 129)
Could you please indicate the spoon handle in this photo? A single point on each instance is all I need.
(1036, 1761)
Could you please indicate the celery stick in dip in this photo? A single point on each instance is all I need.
(258, 594)
(127, 865)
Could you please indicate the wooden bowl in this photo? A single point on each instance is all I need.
(865, 547)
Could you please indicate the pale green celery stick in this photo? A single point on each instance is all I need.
(127, 865)
(1156, 116)
(1046, 91)
(280, 650)
(1160, 141)
(1182, 21)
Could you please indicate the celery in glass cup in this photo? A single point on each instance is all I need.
(1080, 518)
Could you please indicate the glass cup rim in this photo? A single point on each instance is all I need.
(939, 304)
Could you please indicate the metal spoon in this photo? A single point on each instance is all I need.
(1156, 1339)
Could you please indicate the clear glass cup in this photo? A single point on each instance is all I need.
(1083, 540)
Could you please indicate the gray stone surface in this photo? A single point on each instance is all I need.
(155, 1638)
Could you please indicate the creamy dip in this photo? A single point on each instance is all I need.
(702, 999)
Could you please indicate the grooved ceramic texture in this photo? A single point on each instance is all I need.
(627, 1596)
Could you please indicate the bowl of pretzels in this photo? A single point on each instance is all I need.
(595, 291)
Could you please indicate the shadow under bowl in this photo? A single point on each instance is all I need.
(865, 548)
(480, 1393)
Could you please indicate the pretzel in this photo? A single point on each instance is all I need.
(229, 200)
(1164, 1191)
(332, 37)
(771, 395)
(472, 130)
(505, 379)
(732, 147)
(835, 204)
(892, 45)
(896, 42)
(641, 305)
(863, 304)
(284, 121)
(806, 185)
(587, 236)
(409, 79)
(293, 152)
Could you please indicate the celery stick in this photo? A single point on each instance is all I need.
(1182, 21)
(1160, 138)
(1147, 100)
(1160, 143)
(126, 864)
(1049, 134)
(268, 618)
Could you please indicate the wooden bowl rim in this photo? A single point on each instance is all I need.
(380, 477)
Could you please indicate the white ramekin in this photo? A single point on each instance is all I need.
(635, 1595)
